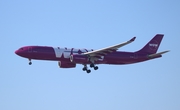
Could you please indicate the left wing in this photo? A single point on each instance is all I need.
(105, 51)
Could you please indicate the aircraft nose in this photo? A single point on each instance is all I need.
(17, 52)
(21, 52)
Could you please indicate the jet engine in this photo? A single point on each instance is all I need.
(66, 64)
(79, 59)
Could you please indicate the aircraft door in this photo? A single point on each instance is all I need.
(135, 56)
(30, 49)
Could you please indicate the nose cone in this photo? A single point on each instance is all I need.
(22, 52)
(17, 52)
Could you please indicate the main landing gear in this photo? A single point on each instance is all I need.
(85, 68)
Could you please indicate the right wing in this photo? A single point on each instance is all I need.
(105, 51)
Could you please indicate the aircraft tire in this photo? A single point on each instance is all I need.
(88, 71)
(96, 68)
(91, 65)
(30, 63)
(84, 69)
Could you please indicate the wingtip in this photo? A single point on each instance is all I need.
(167, 50)
(133, 39)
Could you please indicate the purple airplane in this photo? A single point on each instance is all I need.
(69, 57)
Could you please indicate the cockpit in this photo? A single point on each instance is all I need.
(21, 51)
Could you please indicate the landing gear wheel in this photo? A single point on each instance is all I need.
(30, 63)
(88, 71)
(91, 65)
(96, 68)
(84, 69)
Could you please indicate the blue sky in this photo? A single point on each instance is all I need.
(151, 85)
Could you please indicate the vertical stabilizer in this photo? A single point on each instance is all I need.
(152, 46)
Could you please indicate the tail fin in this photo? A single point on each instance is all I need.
(152, 46)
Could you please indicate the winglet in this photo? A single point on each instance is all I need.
(133, 39)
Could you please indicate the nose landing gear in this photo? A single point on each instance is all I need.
(30, 63)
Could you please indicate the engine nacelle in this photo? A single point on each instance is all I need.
(79, 59)
(66, 64)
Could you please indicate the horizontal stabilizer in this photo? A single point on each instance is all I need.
(157, 54)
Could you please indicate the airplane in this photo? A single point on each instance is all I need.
(69, 57)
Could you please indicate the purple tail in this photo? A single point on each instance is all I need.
(152, 46)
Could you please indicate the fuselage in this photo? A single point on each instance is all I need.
(64, 55)
(69, 57)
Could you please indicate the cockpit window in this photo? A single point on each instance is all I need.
(21, 49)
